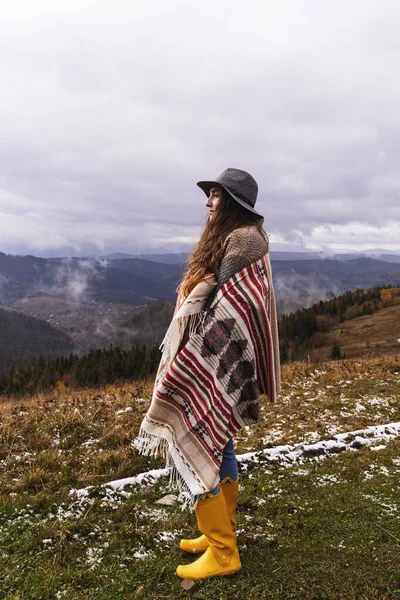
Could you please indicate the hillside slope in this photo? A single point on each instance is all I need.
(301, 283)
(127, 281)
(23, 338)
(367, 336)
(133, 281)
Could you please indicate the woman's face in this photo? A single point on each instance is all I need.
(214, 200)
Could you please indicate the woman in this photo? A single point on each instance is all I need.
(219, 354)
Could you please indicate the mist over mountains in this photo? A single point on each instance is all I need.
(127, 300)
(181, 257)
(128, 281)
(137, 281)
(301, 283)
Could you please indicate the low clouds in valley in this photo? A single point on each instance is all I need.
(110, 113)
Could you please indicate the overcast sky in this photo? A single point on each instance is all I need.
(110, 112)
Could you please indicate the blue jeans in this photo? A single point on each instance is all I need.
(229, 467)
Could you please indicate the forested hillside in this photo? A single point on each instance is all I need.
(306, 332)
(23, 338)
(317, 333)
(96, 368)
(149, 323)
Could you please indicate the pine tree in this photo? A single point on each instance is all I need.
(336, 353)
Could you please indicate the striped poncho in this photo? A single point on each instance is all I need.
(210, 388)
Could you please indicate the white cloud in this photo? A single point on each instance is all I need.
(354, 236)
(111, 113)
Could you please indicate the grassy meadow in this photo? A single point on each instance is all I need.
(323, 528)
(370, 336)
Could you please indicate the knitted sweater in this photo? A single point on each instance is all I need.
(242, 247)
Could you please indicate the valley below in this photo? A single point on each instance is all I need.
(125, 301)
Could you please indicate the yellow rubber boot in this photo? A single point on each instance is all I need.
(230, 489)
(194, 546)
(221, 556)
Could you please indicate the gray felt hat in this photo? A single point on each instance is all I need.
(240, 185)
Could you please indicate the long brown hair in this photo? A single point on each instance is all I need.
(205, 256)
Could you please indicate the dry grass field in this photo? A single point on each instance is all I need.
(368, 336)
(326, 527)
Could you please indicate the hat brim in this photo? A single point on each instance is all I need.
(207, 185)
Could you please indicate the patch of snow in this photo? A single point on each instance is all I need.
(360, 441)
(290, 454)
(341, 545)
(142, 479)
(325, 480)
(386, 507)
(313, 436)
(89, 442)
(269, 537)
(377, 401)
(332, 429)
(384, 470)
(387, 431)
(286, 455)
(94, 557)
(153, 514)
(301, 472)
(124, 410)
(390, 507)
(168, 536)
(141, 554)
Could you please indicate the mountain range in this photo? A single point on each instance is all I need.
(181, 257)
(137, 281)
(98, 301)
